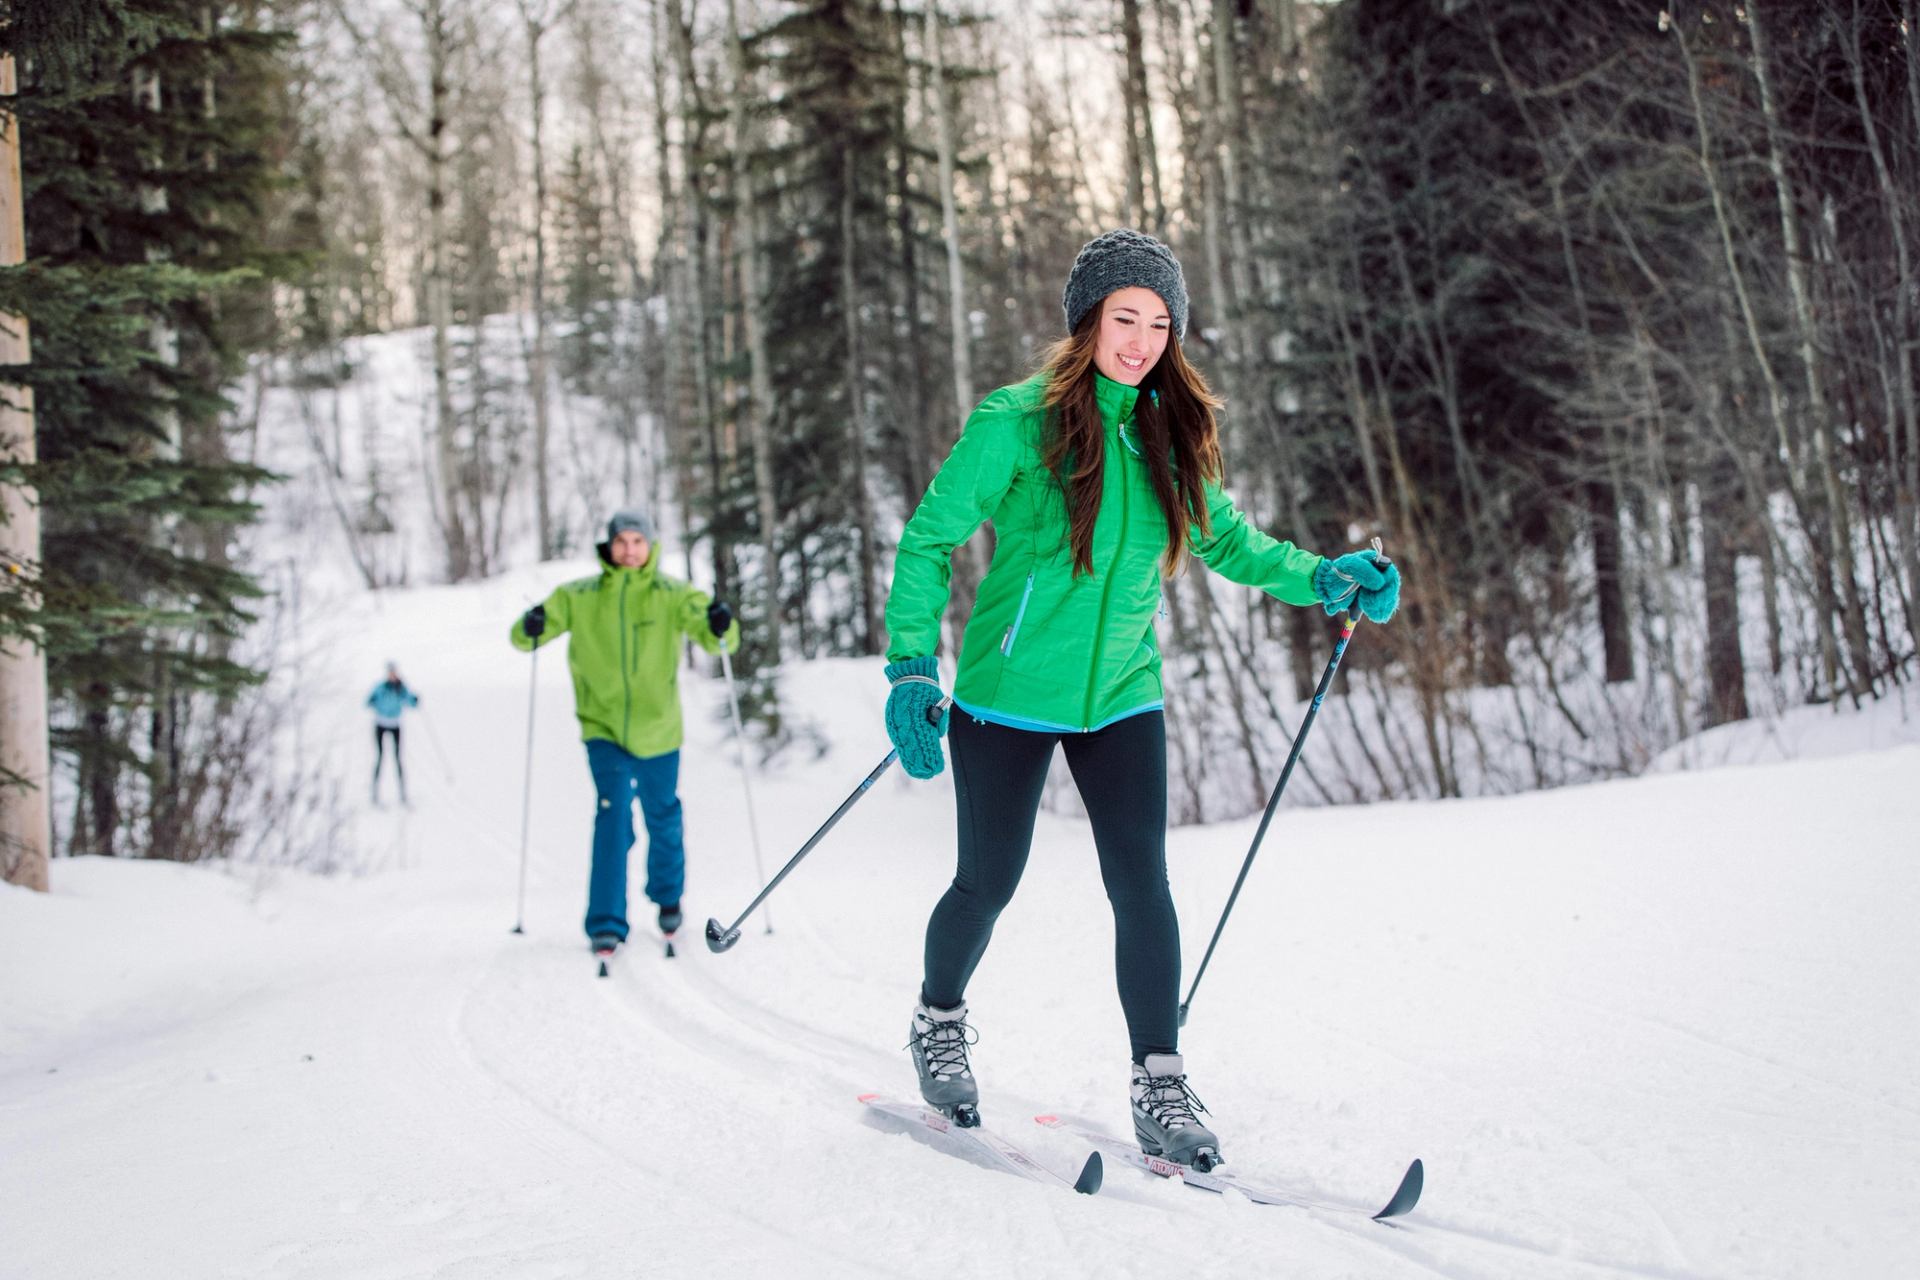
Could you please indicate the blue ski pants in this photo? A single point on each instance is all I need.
(619, 779)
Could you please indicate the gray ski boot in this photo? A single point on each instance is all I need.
(939, 1040)
(1164, 1118)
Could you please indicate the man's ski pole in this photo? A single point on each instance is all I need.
(526, 790)
(1273, 801)
(721, 938)
(746, 777)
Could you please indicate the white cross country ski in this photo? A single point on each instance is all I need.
(1405, 1196)
(945, 1135)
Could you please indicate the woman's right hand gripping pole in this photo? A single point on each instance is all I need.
(917, 715)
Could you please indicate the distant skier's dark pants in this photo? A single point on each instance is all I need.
(380, 732)
(1121, 771)
(620, 778)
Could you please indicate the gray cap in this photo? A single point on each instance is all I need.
(1117, 260)
(630, 518)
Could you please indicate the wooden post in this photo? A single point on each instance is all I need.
(25, 817)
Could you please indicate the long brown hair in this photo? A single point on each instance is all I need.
(1175, 427)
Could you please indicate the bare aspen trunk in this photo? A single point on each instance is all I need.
(1229, 134)
(165, 340)
(950, 224)
(446, 447)
(1897, 203)
(1776, 401)
(697, 248)
(1081, 170)
(26, 822)
(1907, 475)
(908, 350)
(667, 267)
(1133, 108)
(1601, 492)
(969, 559)
(1143, 156)
(1726, 666)
(856, 411)
(760, 370)
(537, 370)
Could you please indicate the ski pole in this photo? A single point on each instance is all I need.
(1273, 801)
(722, 939)
(526, 790)
(433, 736)
(746, 778)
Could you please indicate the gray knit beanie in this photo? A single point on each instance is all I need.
(1117, 260)
(630, 518)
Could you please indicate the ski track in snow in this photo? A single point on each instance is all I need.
(1654, 1029)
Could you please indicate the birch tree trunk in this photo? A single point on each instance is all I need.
(1726, 665)
(446, 446)
(866, 588)
(1600, 490)
(969, 559)
(536, 25)
(1143, 159)
(164, 336)
(1907, 477)
(696, 248)
(950, 222)
(26, 827)
(1897, 203)
(1776, 401)
(760, 369)
(857, 413)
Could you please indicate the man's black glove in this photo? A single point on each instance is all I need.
(719, 618)
(534, 621)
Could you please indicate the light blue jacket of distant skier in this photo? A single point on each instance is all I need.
(388, 699)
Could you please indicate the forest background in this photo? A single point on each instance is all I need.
(1603, 317)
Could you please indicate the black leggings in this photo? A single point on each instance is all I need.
(1121, 771)
(380, 732)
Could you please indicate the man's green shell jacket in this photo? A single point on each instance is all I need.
(625, 653)
(1044, 647)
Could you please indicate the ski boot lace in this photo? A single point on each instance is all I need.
(1171, 1101)
(945, 1046)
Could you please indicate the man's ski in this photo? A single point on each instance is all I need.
(1404, 1197)
(996, 1150)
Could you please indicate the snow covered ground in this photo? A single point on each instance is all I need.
(1652, 1028)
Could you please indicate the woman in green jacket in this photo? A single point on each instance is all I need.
(1099, 473)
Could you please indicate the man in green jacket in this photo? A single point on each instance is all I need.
(627, 622)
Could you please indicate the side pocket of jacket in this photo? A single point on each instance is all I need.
(1013, 632)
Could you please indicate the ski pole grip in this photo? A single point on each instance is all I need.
(937, 710)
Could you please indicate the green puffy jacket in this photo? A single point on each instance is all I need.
(625, 654)
(1043, 648)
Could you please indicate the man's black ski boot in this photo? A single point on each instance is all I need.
(939, 1040)
(604, 945)
(1164, 1118)
(670, 918)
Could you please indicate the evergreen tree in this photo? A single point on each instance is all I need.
(841, 74)
(143, 203)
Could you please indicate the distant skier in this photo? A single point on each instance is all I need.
(626, 623)
(1099, 473)
(389, 699)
